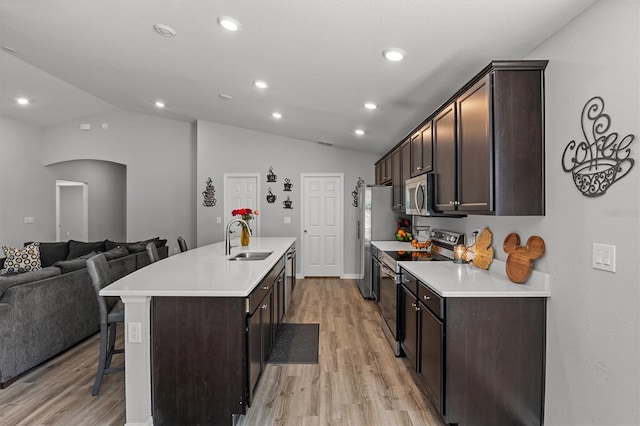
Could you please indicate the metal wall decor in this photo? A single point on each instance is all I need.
(601, 159)
(354, 193)
(287, 184)
(271, 177)
(270, 197)
(287, 203)
(208, 193)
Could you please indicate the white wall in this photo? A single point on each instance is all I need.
(26, 188)
(226, 149)
(593, 322)
(159, 156)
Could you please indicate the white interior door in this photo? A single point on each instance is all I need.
(242, 191)
(72, 211)
(322, 224)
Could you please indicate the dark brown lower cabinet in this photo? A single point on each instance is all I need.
(260, 338)
(198, 360)
(480, 360)
(431, 351)
(207, 353)
(409, 341)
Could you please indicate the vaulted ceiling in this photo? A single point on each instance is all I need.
(322, 60)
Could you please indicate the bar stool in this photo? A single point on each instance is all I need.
(183, 244)
(111, 313)
(152, 251)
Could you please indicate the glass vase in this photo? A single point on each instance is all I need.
(244, 236)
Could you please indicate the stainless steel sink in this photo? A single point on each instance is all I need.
(251, 255)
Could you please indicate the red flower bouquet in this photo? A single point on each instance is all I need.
(246, 214)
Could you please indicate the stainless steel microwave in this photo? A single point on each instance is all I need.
(419, 197)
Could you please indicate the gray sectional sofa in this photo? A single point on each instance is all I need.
(46, 311)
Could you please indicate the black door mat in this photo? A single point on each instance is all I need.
(296, 344)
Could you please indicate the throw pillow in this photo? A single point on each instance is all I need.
(80, 248)
(50, 253)
(116, 253)
(71, 265)
(21, 259)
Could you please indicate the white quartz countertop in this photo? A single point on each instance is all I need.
(450, 279)
(204, 271)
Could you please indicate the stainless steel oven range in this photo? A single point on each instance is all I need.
(442, 243)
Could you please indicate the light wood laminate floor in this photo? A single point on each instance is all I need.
(357, 381)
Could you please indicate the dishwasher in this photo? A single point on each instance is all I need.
(290, 277)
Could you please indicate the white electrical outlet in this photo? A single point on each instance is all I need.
(604, 257)
(287, 219)
(29, 219)
(134, 332)
(218, 219)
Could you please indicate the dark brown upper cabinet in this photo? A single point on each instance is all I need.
(485, 144)
(444, 138)
(396, 179)
(422, 151)
(489, 143)
(384, 171)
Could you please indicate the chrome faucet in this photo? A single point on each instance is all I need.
(227, 240)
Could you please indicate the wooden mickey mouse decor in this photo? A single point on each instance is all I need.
(520, 259)
(483, 250)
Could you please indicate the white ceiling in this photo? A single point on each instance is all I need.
(322, 58)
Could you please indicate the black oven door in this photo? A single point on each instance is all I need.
(388, 298)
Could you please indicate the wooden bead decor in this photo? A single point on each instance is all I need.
(483, 251)
(520, 259)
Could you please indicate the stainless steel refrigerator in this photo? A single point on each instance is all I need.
(375, 222)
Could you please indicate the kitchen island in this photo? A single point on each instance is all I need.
(187, 331)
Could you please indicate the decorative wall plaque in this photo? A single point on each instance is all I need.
(601, 159)
(287, 203)
(287, 184)
(271, 177)
(270, 197)
(208, 194)
(354, 193)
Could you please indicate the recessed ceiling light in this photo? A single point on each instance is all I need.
(164, 30)
(394, 54)
(276, 115)
(22, 101)
(370, 105)
(261, 84)
(359, 132)
(160, 104)
(225, 97)
(228, 23)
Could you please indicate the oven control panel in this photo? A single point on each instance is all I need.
(447, 238)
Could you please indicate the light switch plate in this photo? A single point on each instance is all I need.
(287, 219)
(218, 219)
(604, 257)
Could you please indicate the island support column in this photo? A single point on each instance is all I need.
(137, 313)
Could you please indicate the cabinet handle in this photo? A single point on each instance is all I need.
(263, 307)
(266, 287)
(405, 280)
(414, 305)
(452, 203)
(279, 280)
(426, 297)
(417, 308)
(418, 168)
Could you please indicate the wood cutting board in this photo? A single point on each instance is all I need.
(520, 259)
